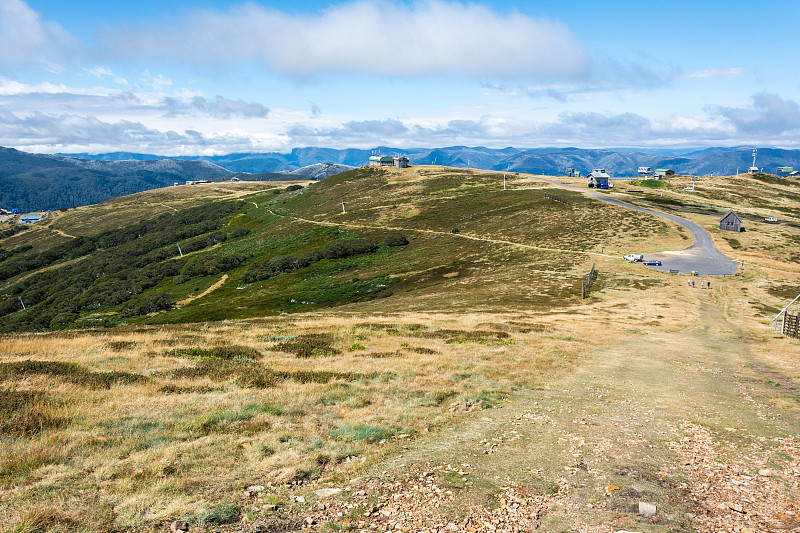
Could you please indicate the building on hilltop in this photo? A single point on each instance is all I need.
(398, 161)
(661, 172)
(381, 161)
(598, 178)
(731, 222)
(31, 218)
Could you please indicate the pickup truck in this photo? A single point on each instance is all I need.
(633, 258)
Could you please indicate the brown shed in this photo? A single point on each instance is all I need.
(731, 222)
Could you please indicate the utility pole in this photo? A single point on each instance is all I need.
(343, 211)
(504, 182)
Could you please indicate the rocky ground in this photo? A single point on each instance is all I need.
(687, 430)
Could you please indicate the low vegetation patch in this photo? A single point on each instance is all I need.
(459, 336)
(69, 372)
(218, 352)
(309, 345)
(25, 413)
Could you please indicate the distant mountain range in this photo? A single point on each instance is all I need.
(39, 182)
(549, 161)
(32, 182)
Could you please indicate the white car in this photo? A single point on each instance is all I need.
(633, 258)
(771, 219)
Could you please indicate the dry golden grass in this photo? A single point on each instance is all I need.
(365, 380)
(190, 437)
(175, 444)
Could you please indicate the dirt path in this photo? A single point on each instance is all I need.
(215, 286)
(684, 421)
(61, 232)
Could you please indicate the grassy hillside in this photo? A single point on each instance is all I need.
(282, 251)
(295, 347)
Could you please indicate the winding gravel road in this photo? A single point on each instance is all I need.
(701, 257)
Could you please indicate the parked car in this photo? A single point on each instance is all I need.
(652, 263)
(771, 219)
(633, 258)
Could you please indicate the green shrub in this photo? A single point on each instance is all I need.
(346, 248)
(220, 514)
(295, 187)
(149, 303)
(395, 239)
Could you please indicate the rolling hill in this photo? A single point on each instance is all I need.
(280, 249)
(393, 349)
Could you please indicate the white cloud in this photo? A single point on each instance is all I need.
(769, 115)
(385, 38)
(219, 107)
(714, 73)
(79, 133)
(25, 39)
(769, 121)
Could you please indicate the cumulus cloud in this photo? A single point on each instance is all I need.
(219, 107)
(769, 115)
(569, 129)
(357, 132)
(604, 76)
(26, 39)
(433, 37)
(49, 97)
(77, 133)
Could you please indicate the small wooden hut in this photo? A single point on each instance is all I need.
(731, 222)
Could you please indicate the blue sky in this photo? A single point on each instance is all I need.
(218, 76)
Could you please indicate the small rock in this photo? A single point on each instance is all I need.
(451, 527)
(270, 507)
(736, 507)
(766, 472)
(324, 493)
(179, 525)
(310, 520)
(299, 499)
(255, 488)
(647, 509)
